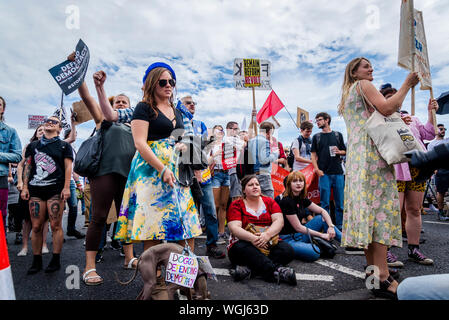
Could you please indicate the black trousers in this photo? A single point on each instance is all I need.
(244, 253)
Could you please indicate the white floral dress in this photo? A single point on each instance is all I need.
(371, 207)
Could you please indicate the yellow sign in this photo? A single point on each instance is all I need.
(251, 71)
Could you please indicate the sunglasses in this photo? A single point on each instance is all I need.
(190, 102)
(163, 83)
(51, 121)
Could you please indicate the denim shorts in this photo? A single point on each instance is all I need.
(220, 179)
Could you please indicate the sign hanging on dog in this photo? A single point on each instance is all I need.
(181, 270)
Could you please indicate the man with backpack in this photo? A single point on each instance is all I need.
(327, 149)
(300, 151)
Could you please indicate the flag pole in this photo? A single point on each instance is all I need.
(291, 117)
(412, 31)
(254, 111)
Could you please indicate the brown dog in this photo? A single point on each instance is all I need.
(156, 257)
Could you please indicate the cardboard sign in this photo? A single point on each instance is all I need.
(62, 116)
(34, 121)
(413, 44)
(301, 116)
(82, 114)
(278, 175)
(252, 73)
(69, 75)
(181, 270)
(228, 156)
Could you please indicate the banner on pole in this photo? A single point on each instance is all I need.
(313, 191)
(418, 43)
(252, 73)
(69, 75)
(34, 121)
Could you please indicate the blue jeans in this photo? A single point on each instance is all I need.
(301, 242)
(73, 201)
(210, 215)
(336, 182)
(430, 287)
(220, 179)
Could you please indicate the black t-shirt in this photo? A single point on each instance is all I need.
(47, 162)
(160, 127)
(326, 163)
(292, 206)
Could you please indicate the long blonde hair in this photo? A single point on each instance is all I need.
(349, 80)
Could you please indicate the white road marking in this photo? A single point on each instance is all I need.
(341, 268)
(299, 276)
(435, 222)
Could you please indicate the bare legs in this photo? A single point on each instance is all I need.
(221, 196)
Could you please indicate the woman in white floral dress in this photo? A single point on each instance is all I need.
(371, 217)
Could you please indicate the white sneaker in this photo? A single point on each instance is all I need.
(23, 252)
(45, 250)
(432, 208)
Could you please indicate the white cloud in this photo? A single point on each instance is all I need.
(308, 43)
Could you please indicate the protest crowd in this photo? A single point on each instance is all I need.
(164, 176)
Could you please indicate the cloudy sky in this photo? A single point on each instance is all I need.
(308, 43)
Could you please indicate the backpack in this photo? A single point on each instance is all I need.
(244, 167)
(318, 136)
(291, 156)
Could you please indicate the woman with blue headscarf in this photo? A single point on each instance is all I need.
(155, 206)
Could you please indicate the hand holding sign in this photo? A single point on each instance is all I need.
(412, 79)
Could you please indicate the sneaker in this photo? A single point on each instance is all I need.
(222, 238)
(442, 216)
(76, 234)
(115, 245)
(45, 250)
(99, 256)
(404, 235)
(213, 252)
(432, 208)
(108, 239)
(354, 251)
(18, 238)
(285, 274)
(122, 252)
(417, 256)
(393, 261)
(240, 273)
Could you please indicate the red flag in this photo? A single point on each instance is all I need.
(270, 107)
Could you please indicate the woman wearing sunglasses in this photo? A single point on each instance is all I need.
(46, 184)
(155, 206)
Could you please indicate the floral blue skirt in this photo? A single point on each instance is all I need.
(151, 209)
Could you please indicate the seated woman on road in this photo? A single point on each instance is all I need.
(244, 247)
(293, 205)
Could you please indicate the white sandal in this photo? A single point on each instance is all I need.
(130, 264)
(23, 252)
(86, 279)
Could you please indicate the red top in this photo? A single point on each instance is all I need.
(237, 212)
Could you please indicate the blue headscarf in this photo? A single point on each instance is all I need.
(159, 65)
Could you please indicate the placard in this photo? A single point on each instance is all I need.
(301, 116)
(181, 270)
(69, 75)
(82, 114)
(278, 175)
(252, 73)
(34, 121)
(313, 192)
(228, 156)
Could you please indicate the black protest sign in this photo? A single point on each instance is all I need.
(69, 75)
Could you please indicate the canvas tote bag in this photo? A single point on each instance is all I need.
(390, 134)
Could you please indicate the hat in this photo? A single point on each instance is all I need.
(385, 86)
(159, 65)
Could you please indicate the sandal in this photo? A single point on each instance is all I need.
(383, 291)
(130, 265)
(86, 279)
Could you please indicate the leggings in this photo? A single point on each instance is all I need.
(103, 189)
(244, 253)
